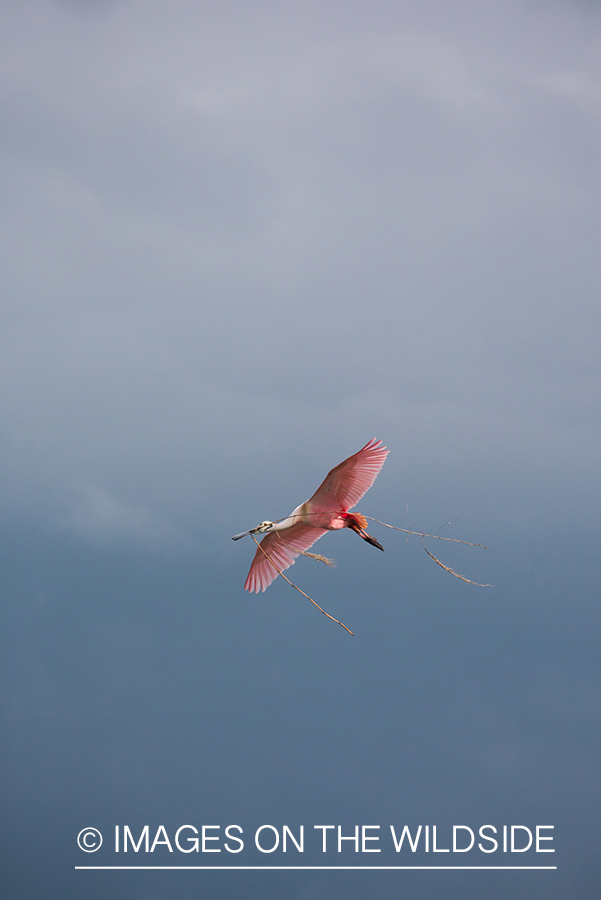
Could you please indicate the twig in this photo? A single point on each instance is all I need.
(450, 571)
(319, 558)
(423, 535)
(268, 557)
(437, 537)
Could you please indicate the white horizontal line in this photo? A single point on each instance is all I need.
(300, 868)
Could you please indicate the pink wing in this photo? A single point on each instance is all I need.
(344, 486)
(282, 547)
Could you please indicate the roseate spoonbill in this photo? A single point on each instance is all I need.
(327, 510)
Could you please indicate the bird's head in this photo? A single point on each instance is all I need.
(262, 527)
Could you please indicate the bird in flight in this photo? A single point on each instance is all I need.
(327, 510)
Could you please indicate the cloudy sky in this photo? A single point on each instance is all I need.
(238, 241)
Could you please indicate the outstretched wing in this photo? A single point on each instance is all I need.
(344, 486)
(282, 547)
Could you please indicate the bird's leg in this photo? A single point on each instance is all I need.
(357, 523)
(371, 540)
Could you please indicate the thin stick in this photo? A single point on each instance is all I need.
(421, 534)
(450, 571)
(267, 556)
(437, 537)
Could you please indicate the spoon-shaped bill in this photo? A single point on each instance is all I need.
(237, 537)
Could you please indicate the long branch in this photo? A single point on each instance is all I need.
(431, 555)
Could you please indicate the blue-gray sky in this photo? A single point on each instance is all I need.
(239, 240)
